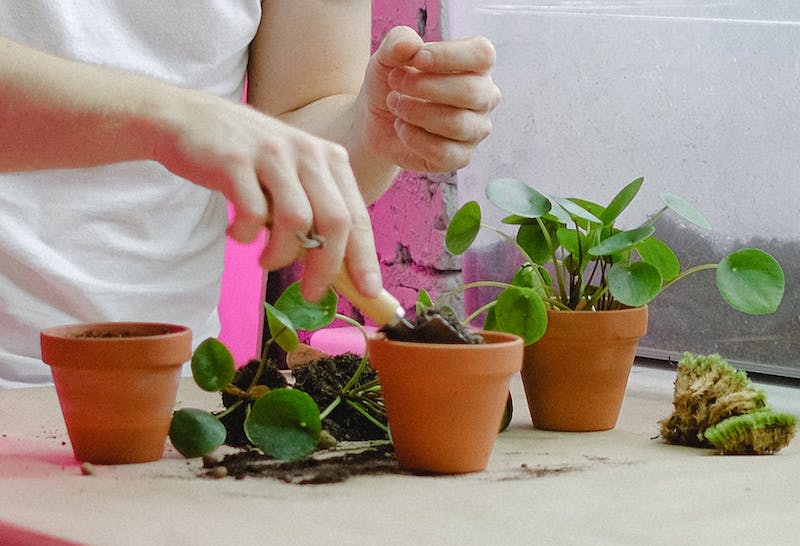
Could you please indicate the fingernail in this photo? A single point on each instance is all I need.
(392, 100)
(423, 59)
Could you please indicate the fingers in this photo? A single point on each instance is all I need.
(317, 193)
(473, 54)
(398, 47)
(250, 208)
(441, 99)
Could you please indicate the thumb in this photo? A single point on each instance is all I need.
(398, 47)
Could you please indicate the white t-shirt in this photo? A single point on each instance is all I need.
(128, 241)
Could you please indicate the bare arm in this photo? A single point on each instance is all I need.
(422, 107)
(54, 113)
(57, 113)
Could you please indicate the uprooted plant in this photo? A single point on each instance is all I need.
(282, 421)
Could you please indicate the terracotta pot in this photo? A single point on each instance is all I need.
(445, 402)
(576, 375)
(117, 383)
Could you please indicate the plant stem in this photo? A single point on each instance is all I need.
(479, 311)
(464, 287)
(688, 272)
(332, 406)
(230, 409)
(367, 416)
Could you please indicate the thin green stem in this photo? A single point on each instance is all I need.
(332, 406)
(367, 416)
(688, 272)
(466, 286)
(479, 311)
(230, 409)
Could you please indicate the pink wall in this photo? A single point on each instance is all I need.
(240, 305)
(410, 217)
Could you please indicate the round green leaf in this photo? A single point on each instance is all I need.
(303, 314)
(622, 240)
(285, 424)
(659, 254)
(212, 365)
(463, 228)
(572, 241)
(532, 240)
(521, 311)
(751, 281)
(195, 432)
(685, 209)
(281, 329)
(634, 284)
(517, 198)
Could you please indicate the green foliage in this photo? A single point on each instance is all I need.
(212, 365)
(284, 423)
(195, 432)
(581, 260)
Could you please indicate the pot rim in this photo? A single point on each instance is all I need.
(158, 344)
(142, 329)
(503, 339)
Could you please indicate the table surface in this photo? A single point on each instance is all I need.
(616, 487)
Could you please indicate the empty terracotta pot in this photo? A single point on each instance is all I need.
(445, 402)
(576, 375)
(117, 383)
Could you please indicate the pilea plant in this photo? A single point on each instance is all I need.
(285, 422)
(577, 259)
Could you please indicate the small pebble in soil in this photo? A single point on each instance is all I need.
(219, 472)
(87, 469)
(326, 440)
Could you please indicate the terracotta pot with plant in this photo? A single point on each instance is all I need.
(444, 401)
(586, 272)
(117, 383)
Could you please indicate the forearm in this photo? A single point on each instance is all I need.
(57, 113)
(339, 119)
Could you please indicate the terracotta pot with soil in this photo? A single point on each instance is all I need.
(576, 375)
(117, 383)
(445, 402)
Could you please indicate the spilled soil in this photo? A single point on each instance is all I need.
(324, 467)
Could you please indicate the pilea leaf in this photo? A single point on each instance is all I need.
(659, 254)
(575, 210)
(521, 311)
(622, 240)
(303, 314)
(195, 432)
(281, 329)
(634, 284)
(463, 228)
(285, 424)
(517, 198)
(212, 365)
(532, 240)
(751, 281)
(621, 201)
(685, 209)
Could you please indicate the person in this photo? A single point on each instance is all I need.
(122, 135)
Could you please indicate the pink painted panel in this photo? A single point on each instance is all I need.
(240, 304)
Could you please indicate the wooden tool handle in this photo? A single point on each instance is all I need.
(383, 310)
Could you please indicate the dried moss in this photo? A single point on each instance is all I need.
(759, 433)
(708, 390)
